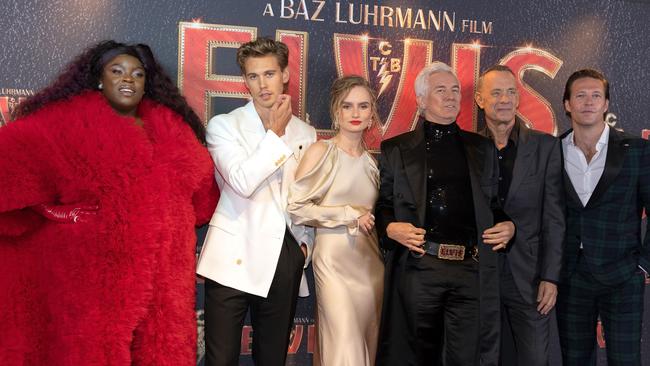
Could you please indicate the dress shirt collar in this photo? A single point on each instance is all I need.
(513, 139)
(602, 141)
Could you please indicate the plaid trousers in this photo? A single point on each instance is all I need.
(581, 300)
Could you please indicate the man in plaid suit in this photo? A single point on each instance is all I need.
(607, 183)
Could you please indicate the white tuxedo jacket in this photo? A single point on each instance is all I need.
(254, 169)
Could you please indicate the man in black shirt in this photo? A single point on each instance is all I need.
(435, 217)
(530, 191)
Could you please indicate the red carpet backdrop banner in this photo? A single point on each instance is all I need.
(387, 42)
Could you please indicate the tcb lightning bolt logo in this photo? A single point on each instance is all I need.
(385, 66)
(384, 77)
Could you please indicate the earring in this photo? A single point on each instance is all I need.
(335, 124)
(369, 125)
(100, 86)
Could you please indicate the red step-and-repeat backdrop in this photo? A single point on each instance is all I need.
(388, 42)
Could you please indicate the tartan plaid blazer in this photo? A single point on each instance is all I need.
(609, 226)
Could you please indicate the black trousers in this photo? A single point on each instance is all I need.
(271, 317)
(529, 328)
(441, 298)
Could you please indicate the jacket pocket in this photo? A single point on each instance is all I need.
(224, 224)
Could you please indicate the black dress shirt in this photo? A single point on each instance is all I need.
(506, 156)
(450, 207)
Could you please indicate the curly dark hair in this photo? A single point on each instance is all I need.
(84, 72)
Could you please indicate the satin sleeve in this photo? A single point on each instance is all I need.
(306, 195)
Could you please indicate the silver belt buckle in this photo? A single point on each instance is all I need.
(451, 252)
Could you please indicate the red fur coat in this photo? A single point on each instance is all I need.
(120, 289)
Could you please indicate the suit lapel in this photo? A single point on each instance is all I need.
(293, 138)
(568, 185)
(613, 164)
(570, 190)
(414, 160)
(252, 127)
(253, 132)
(525, 149)
(474, 156)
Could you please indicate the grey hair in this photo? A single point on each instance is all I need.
(421, 84)
(497, 67)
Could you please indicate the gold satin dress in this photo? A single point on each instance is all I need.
(348, 266)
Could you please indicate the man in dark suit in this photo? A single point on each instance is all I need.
(607, 183)
(435, 218)
(530, 190)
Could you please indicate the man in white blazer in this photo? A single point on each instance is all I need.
(253, 256)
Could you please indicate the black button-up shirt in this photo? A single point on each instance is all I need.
(506, 156)
(450, 206)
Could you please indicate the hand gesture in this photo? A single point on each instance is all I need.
(408, 235)
(67, 214)
(279, 115)
(366, 222)
(499, 235)
(546, 296)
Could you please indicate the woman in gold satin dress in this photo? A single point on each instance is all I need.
(335, 190)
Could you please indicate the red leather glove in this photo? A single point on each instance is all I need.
(68, 214)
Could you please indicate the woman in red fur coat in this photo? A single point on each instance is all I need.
(103, 177)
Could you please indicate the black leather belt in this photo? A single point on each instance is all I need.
(448, 251)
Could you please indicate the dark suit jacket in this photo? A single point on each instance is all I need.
(609, 226)
(535, 204)
(402, 199)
